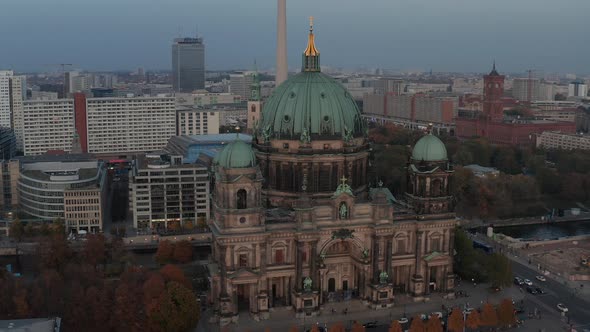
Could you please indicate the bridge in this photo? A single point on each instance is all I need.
(438, 128)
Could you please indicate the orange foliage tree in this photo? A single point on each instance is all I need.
(337, 327)
(165, 252)
(473, 320)
(506, 314)
(433, 324)
(174, 273)
(293, 329)
(455, 321)
(417, 325)
(489, 318)
(395, 327)
(357, 327)
(183, 252)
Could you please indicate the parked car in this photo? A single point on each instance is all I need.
(561, 307)
(528, 282)
(370, 325)
(467, 311)
(540, 290)
(531, 290)
(541, 278)
(518, 281)
(403, 320)
(437, 313)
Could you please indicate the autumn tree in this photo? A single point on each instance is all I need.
(315, 328)
(165, 252)
(293, 329)
(177, 309)
(506, 314)
(126, 314)
(183, 252)
(55, 252)
(357, 327)
(455, 321)
(174, 273)
(417, 325)
(473, 321)
(95, 250)
(488, 318)
(395, 327)
(153, 288)
(433, 324)
(19, 299)
(337, 327)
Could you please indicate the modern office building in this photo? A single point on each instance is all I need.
(240, 83)
(9, 183)
(48, 125)
(166, 193)
(7, 144)
(526, 89)
(71, 187)
(196, 121)
(565, 141)
(188, 64)
(577, 89)
(206, 98)
(126, 125)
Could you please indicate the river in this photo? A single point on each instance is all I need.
(546, 231)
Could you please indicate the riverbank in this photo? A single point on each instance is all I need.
(538, 220)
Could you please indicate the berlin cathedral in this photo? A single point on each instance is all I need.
(296, 223)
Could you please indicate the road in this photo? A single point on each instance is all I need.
(579, 308)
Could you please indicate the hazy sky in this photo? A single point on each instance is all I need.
(445, 35)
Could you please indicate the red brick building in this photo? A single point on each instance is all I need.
(491, 123)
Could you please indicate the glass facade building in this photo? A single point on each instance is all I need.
(188, 64)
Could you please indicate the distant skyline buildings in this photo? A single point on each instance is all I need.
(447, 36)
(188, 64)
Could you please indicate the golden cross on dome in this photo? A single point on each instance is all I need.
(343, 180)
(311, 23)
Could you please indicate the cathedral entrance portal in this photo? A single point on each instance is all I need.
(331, 285)
(243, 297)
(343, 275)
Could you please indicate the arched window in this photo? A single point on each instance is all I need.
(242, 199)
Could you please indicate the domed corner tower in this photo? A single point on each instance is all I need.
(429, 176)
(311, 128)
(237, 200)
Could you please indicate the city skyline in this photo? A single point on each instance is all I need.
(404, 36)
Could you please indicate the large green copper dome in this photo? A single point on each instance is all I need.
(236, 154)
(311, 105)
(313, 102)
(429, 148)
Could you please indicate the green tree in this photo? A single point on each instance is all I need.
(499, 270)
(177, 309)
(17, 230)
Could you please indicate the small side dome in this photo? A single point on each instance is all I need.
(236, 154)
(429, 148)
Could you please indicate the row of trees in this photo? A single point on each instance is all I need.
(490, 317)
(532, 180)
(75, 284)
(177, 252)
(471, 263)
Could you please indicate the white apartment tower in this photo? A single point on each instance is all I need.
(47, 125)
(12, 93)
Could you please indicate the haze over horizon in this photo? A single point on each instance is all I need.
(442, 35)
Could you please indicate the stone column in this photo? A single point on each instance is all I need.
(451, 241)
(298, 265)
(313, 269)
(388, 255)
(232, 258)
(417, 267)
(375, 257)
(223, 271)
(289, 289)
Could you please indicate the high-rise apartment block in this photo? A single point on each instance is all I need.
(165, 192)
(48, 125)
(240, 83)
(188, 64)
(196, 121)
(526, 89)
(577, 89)
(121, 125)
(12, 93)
